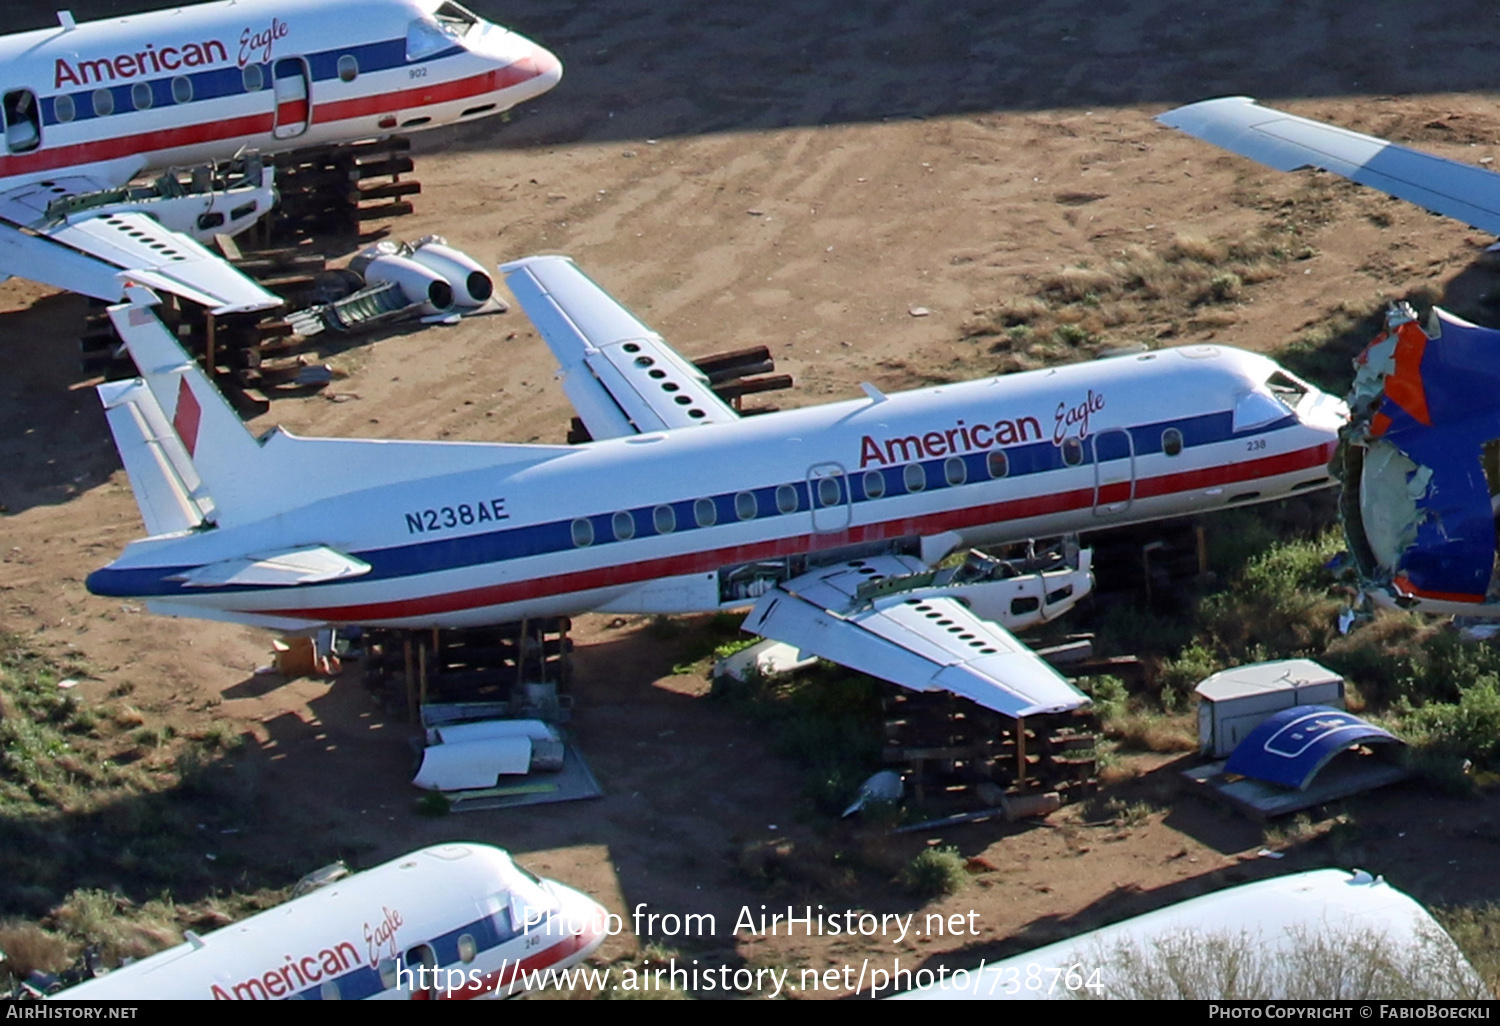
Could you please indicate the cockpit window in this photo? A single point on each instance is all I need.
(455, 19)
(1257, 409)
(1287, 388)
(438, 31)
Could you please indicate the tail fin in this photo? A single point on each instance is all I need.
(176, 434)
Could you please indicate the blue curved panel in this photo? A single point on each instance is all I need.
(1290, 747)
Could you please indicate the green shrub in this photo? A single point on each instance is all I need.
(935, 873)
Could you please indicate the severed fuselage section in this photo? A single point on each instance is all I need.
(1420, 464)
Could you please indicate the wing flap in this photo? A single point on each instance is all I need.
(621, 377)
(923, 643)
(1287, 142)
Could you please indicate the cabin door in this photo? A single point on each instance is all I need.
(828, 490)
(1114, 472)
(293, 97)
(23, 121)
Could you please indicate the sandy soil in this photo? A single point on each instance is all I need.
(800, 175)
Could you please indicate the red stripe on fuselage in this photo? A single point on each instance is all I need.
(506, 976)
(712, 559)
(425, 96)
(292, 112)
(142, 144)
(147, 144)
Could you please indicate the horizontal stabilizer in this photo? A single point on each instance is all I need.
(923, 643)
(621, 377)
(310, 565)
(1286, 142)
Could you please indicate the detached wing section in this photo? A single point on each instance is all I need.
(619, 374)
(97, 253)
(923, 643)
(1286, 142)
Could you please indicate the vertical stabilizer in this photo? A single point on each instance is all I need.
(180, 440)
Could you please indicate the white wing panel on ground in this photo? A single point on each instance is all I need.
(1286, 142)
(619, 374)
(95, 253)
(924, 643)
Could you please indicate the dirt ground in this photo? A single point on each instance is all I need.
(802, 175)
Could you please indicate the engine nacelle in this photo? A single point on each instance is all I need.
(420, 284)
(472, 284)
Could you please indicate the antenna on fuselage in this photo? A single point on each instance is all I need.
(65, 19)
(874, 393)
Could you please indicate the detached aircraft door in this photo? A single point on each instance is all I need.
(828, 489)
(293, 97)
(1114, 472)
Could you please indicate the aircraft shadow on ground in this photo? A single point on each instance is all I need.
(637, 69)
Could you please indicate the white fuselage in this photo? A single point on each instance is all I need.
(702, 518)
(110, 100)
(451, 921)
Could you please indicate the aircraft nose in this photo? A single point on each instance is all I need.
(548, 68)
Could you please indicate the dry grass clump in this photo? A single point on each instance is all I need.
(1163, 290)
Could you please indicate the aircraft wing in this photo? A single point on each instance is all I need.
(1286, 142)
(923, 643)
(619, 374)
(98, 252)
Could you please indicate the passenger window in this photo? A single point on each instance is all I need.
(330, 990)
(182, 89)
(348, 68)
(955, 471)
(915, 477)
(1171, 441)
(254, 78)
(467, 949)
(874, 484)
(664, 518)
(63, 109)
(140, 96)
(998, 463)
(387, 970)
(1072, 452)
(744, 506)
(786, 498)
(705, 513)
(828, 491)
(104, 102)
(583, 532)
(624, 525)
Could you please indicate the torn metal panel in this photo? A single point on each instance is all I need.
(1419, 487)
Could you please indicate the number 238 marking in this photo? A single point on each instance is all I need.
(1254, 444)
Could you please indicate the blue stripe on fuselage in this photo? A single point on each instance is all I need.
(217, 83)
(498, 546)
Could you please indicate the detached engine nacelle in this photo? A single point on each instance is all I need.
(472, 285)
(385, 262)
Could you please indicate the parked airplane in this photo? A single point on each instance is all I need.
(831, 519)
(1319, 935)
(1419, 464)
(88, 108)
(447, 922)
